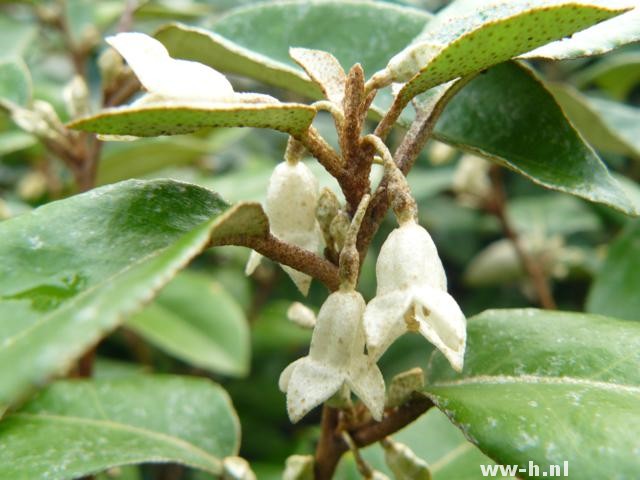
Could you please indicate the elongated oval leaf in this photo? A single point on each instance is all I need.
(609, 126)
(507, 115)
(255, 41)
(71, 271)
(76, 428)
(547, 387)
(151, 121)
(196, 320)
(468, 37)
(596, 40)
(15, 82)
(615, 289)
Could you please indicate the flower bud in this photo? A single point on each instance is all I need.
(298, 467)
(236, 468)
(76, 97)
(404, 464)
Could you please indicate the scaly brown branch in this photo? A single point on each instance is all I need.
(288, 254)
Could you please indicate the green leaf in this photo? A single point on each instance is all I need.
(196, 320)
(73, 270)
(471, 36)
(508, 116)
(15, 82)
(151, 121)
(609, 126)
(596, 40)
(76, 428)
(547, 387)
(15, 36)
(615, 289)
(616, 74)
(255, 41)
(124, 160)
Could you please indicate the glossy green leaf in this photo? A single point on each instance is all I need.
(255, 41)
(73, 270)
(15, 82)
(547, 387)
(196, 320)
(151, 121)
(615, 289)
(507, 115)
(596, 40)
(471, 36)
(433, 438)
(75, 428)
(609, 126)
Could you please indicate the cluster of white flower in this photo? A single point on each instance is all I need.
(350, 336)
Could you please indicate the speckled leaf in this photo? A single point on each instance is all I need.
(76, 428)
(609, 126)
(547, 387)
(470, 36)
(507, 115)
(73, 270)
(196, 320)
(255, 41)
(151, 121)
(596, 40)
(615, 289)
(15, 82)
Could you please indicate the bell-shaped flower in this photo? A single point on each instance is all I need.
(168, 79)
(412, 296)
(336, 359)
(292, 196)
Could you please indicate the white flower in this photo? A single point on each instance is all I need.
(292, 196)
(336, 358)
(167, 79)
(412, 296)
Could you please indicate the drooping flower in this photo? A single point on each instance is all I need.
(412, 296)
(292, 196)
(168, 79)
(336, 359)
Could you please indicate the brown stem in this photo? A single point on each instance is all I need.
(288, 254)
(332, 446)
(498, 207)
(412, 143)
(322, 151)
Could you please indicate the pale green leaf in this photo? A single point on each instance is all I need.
(616, 74)
(75, 428)
(615, 289)
(196, 320)
(607, 125)
(73, 270)
(547, 387)
(15, 82)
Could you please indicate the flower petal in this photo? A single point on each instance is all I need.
(366, 381)
(310, 384)
(441, 322)
(384, 321)
(409, 257)
(254, 260)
